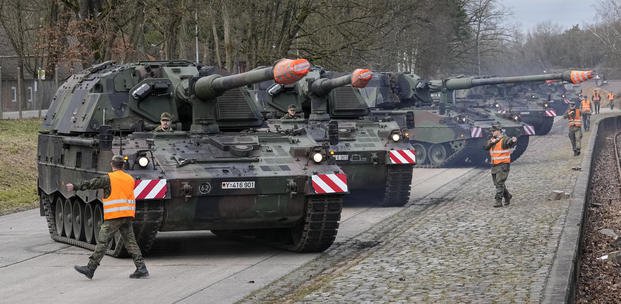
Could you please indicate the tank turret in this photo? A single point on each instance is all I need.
(206, 89)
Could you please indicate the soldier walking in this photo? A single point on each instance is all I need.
(585, 110)
(499, 147)
(119, 208)
(575, 127)
(596, 98)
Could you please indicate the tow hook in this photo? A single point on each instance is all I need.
(292, 187)
(187, 191)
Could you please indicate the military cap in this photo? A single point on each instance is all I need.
(572, 105)
(117, 161)
(165, 116)
(292, 107)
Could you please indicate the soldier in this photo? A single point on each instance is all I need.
(291, 112)
(164, 123)
(499, 147)
(119, 208)
(596, 98)
(575, 127)
(585, 110)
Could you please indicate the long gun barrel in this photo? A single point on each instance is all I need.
(321, 87)
(466, 83)
(207, 88)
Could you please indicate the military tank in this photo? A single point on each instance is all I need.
(195, 178)
(447, 133)
(519, 102)
(375, 154)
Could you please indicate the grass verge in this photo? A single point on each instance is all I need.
(18, 165)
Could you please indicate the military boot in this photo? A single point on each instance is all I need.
(141, 272)
(85, 270)
(498, 203)
(508, 199)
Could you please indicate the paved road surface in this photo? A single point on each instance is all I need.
(189, 267)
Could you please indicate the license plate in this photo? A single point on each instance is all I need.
(238, 185)
(341, 157)
(524, 113)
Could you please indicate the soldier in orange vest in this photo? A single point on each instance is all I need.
(596, 98)
(119, 208)
(611, 100)
(585, 110)
(499, 147)
(575, 127)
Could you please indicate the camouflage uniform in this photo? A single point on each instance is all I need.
(110, 227)
(575, 131)
(159, 129)
(500, 172)
(287, 116)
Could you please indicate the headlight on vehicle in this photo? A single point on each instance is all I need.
(317, 157)
(143, 161)
(516, 118)
(395, 137)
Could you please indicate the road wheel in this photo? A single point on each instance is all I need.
(78, 220)
(98, 219)
(421, 153)
(89, 224)
(437, 154)
(59, 216)
(68, 217)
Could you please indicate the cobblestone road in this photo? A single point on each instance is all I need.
(453, 247)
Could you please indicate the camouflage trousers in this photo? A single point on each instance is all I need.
(106, 233)
(500, 173)
(575, 136)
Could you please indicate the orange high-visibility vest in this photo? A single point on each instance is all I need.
(597, 97)
(121, 202)
(576, 121)
(585, 106)
(611, 96)
(500, 155)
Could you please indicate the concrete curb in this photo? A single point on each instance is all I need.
(560, 287)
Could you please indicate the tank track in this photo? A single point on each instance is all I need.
(314, 233)
(398, 183)
(458, 158)
(146, 224)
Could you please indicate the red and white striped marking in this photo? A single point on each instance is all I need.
(329, 183)
(529, 130)
(402, 157)
(476, 132)
(150, 189)
(550, 113)
(566, 100)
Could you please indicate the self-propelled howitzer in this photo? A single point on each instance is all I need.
(195, 178)
(375, 155)
(446, 134)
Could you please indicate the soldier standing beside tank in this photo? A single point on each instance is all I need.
(291, 112)
(119, 208)
(575, 127)
(596, 98)
(164, 123)
(499, 147)
(585, 110)
(611, 100)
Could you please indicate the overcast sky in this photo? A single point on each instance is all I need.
(566, 13)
